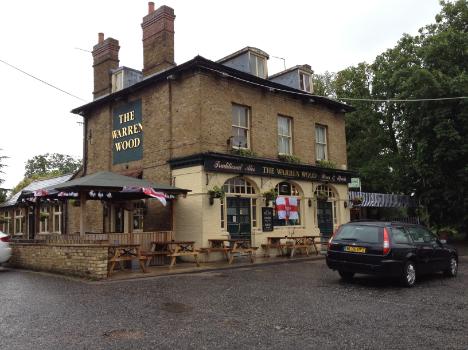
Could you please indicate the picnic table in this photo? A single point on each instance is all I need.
(173, 249)
(231, 248)
(294, 244)
(125, 252)
(275, 243)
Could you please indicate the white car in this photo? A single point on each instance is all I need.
(5, 250)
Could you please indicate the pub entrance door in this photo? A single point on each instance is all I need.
(238, 217)
(325, 219)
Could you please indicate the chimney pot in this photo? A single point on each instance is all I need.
(100, 38)
(150, 7)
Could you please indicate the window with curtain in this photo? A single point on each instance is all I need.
(321, 142)
(284, 135)
(240, 126)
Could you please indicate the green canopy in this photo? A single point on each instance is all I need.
(112, 182)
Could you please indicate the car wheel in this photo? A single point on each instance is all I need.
(346, 276)
(453, 267)
(408, 278)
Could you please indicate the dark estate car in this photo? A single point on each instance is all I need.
(391, 249)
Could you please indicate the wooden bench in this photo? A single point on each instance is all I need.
(243, 251)
(224, 250)
(125, 252)
(150, 255)
(176, 254)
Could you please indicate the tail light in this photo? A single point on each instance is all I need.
(5, 239)
(386, 242)
(331, 238)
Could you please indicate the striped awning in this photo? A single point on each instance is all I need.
(381, 200)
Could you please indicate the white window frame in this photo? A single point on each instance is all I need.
(8, 224)
(56, 215)
(323, 144)
(44, 224)
(139, 214)
(302, 81)
(288, 136)
(238, 126)
(18, 218)
(253, 65)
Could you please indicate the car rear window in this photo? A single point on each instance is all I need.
(356, 233)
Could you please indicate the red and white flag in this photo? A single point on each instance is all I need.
(158, 195)
(286, 207)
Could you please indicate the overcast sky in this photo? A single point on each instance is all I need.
(46, 39)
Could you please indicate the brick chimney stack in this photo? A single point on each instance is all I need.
(158, 39)
(105, 59)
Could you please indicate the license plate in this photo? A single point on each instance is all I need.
(354, 249)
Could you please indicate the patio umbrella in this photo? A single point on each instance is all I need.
(106, 181)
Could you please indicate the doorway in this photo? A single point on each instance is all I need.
(239, 217)
(325, 219)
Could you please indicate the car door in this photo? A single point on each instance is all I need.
(425, 248)
(402, 244)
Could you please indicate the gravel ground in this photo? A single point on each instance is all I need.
(289, 306)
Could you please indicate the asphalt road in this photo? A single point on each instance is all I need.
(288, 306)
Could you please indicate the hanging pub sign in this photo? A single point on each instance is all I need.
(267, 219)
(127, 133)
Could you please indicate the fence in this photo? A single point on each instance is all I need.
(144, 239)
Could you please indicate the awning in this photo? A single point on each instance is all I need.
(381, 200)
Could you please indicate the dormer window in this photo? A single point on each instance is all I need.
(305, 81)
(258, 65)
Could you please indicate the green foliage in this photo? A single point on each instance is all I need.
(216, 192)
(415, 147)
(270, 195)
(289, 158)
(324, 84)
(326, 164)
(48, 163)
(27, 180)
(243, 152)
(321, 196)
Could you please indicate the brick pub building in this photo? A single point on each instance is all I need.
(220, 129)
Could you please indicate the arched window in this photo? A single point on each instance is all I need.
(287, 209)
(325, 189)
(238, 185)
(233, 188)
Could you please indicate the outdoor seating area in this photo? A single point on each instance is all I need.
(289, 246)
(140, 253)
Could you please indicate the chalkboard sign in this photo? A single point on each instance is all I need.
(267, 219)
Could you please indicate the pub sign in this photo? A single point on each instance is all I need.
(127, 133)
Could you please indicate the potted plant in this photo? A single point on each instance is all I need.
(270, 196)
(43, 216)
(356, 201)
(321, 196)
(289, 158)
(215, 192)
(447, 233)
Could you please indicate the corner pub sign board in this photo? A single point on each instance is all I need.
(127, 133)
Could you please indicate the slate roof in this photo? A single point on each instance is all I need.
(36, 185)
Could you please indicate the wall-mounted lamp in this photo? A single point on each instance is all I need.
(345, 204)
(309, 202)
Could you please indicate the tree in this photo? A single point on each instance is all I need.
(414, 147)
(51, 164)
(2, 166)
(47, 166)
